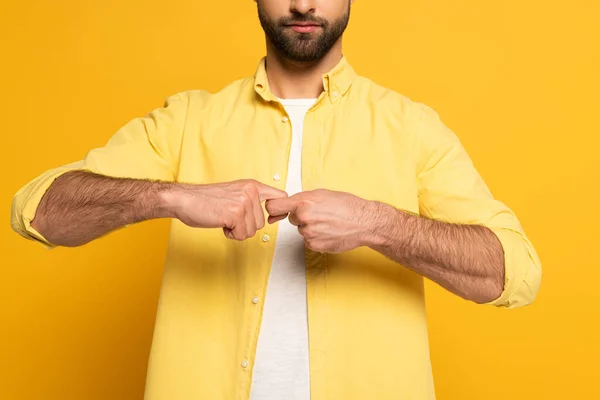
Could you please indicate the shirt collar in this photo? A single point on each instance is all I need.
(336, 82)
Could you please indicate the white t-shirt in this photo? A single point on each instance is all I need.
(281, 366)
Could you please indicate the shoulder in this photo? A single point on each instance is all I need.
(197, 99)
(388, 100)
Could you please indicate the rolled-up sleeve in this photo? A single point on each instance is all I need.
(452, 190)
(145, 148)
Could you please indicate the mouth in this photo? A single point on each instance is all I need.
(304, 27)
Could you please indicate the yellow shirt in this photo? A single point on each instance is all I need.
(366, 314)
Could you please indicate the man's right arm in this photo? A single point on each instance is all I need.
(81, 206)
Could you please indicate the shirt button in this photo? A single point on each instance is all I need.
(285, 119)
(335, 94)
(266, 238)
(255, 300)
(276, 177)
(244, 364)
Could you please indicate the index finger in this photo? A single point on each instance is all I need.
(266, 192)
(283, 206)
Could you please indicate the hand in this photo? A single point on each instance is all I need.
(329, 221)
(234, 206)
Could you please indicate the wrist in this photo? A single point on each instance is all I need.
(385, 223)
(170, 200)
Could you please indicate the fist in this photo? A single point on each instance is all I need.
(329, 221)
(233, 206)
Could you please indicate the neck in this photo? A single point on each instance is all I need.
(299, 80)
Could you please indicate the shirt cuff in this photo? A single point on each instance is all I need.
(522, 270)
(27, 200)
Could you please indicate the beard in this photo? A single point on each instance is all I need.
(299, 46)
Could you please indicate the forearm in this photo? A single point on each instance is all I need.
(81, 206)
(467, 260)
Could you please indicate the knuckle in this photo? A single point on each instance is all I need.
(302, 215)
(244, 199)
(237, 210)
(305, 205)
(250, 186)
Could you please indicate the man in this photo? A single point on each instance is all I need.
(320, 293)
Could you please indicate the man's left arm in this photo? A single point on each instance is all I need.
(465, 259)
(464, 239)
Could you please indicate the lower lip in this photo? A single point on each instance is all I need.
(304, 29)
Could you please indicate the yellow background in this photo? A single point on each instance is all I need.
(516, 80)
